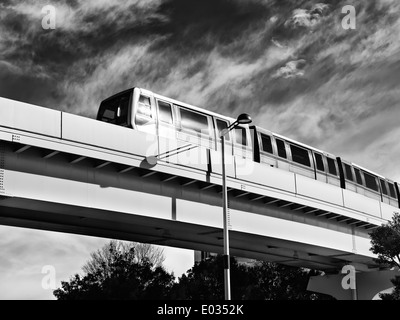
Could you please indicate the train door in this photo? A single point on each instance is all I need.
(165, 119)
(349, 176)
(384, 190)
(360, 184)
(282, 160)
(222, 124)
(242, 144)
(144, 111)
(332, 174)
(320, 167)
(266, 149)
(392, 192)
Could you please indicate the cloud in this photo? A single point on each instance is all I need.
(307, 18)
(22, 260)
(291, 69)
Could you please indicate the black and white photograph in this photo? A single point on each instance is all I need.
(199, 154)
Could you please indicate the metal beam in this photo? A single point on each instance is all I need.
(148, 174)
(102, 164)
(285, 205)
(299, 208)
(169, 178)
(51, 154)
(311, 211)
(188, 183)
(126, 169)
(77, 159)
(272, 201)
(354, 222)
(323, 214)
(343, 219)
(22, 149)
(239, 195)
(208, 186)
(257, 198)
(362, 224)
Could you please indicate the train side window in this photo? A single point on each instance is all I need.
(241, 137)
(348, 172)
(221, 125)
(383, 187)
(281, 148)
(194, 121)
(392, 190)
(164, 112)
(300, 155)
(319, 162)
(358, 176)
(266, 143)
(370, 181)
(332, 166)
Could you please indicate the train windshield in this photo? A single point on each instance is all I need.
(116, 109)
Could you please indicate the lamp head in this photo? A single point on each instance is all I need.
(244, 118)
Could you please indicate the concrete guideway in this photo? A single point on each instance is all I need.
(67, 173)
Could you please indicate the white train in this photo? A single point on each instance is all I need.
(149, 112)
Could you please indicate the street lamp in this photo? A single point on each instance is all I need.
(244, 118)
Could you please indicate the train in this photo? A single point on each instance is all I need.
(146, 111)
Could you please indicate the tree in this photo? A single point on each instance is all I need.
(260, 281)
(117, 272)
(385, 243)
(103, 258)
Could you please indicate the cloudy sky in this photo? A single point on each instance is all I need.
(288, 63)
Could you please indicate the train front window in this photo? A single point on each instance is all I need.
(300, 155)
(115, 110)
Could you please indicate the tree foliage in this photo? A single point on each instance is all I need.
(385, 243)
(123, 271)
(101, 260)
(261, 281)
(118, 272)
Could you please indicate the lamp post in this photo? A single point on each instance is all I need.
(244, 118)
